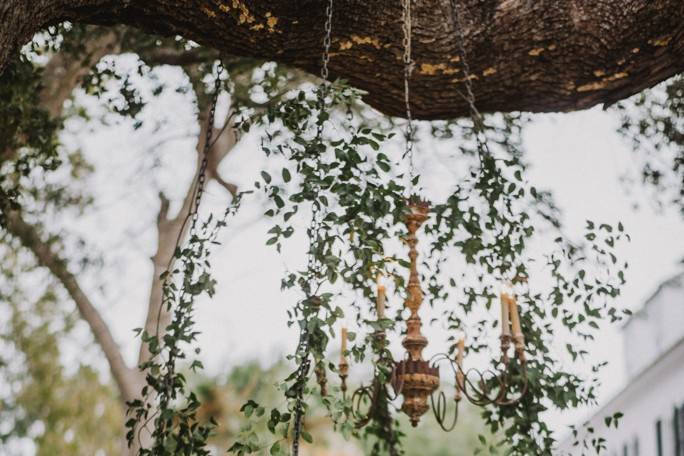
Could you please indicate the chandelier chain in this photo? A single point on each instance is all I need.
(327, 40)
(202, 171)
(469, 97)
(408, 70)
(304, 348)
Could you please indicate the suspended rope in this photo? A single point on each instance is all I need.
(313, 232)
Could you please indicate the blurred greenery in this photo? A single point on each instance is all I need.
(49, 408)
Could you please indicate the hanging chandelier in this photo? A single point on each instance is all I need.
(416, 380)
(413, 378)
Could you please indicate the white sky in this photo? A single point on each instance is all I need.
(578, 156)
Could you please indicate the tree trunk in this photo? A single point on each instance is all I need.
(526, 55)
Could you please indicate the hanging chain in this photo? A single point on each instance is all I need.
(202, 172)
(469, 97)
(327, 40)
(408, 69)
(198, 191)
(304, 348)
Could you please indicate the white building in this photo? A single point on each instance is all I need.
(653, 399)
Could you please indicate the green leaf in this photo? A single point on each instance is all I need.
(266, 177)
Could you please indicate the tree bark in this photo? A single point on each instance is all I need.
(524, 55)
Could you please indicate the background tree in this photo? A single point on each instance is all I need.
(653, 123)
(38, 95)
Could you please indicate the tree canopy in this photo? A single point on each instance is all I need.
(540, 56)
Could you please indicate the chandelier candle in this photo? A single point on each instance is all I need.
(515, 317)
(505, 323)
(344, 341)
(518, 337)
(459, 372)
(382, 299)
(461, 352)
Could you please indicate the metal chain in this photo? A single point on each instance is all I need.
(304, 348)
(327, 40)
(202, 172)
(198, 191)
(408, 70)
(476, 116)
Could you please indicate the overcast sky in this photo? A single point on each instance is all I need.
(578, 156)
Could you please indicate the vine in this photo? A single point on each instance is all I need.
(167, 402)
(488, 219)
(337, 170)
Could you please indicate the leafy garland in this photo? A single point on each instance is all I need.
(167, 402)
(360, 192)
(359, 195)
(489, 219)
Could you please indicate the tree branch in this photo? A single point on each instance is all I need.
(167, 56)
(64, 71)
(543, 55)
(174, 229)
(129, 381)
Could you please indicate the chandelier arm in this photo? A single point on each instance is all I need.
(523, 389)
(361, 419)
(481, 395)
(439, 409)
(478, 395)
(397, 380)
(439, 406)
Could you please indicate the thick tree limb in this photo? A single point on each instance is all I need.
(542, 55)
(129, 381)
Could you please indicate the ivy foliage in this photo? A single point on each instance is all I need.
(27, 134)
(653, 123)
(487, 221)
(339, 171)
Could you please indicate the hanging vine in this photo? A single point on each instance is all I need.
(355, 194)
(167, 409)
(487, 221)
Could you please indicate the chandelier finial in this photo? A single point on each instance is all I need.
(415, 375)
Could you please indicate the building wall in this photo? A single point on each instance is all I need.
(651, 397)
(655, 328)
(654, 347)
